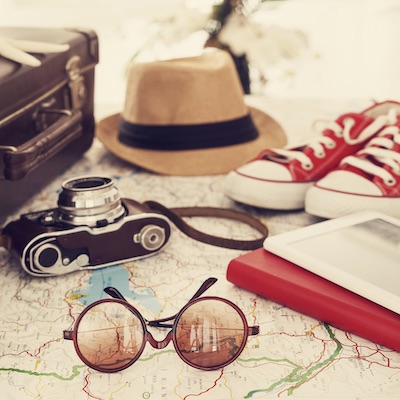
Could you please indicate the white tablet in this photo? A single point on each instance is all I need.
(360, 252)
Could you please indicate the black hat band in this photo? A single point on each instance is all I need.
(188, 137)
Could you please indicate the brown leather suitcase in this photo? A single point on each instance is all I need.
(46, 112)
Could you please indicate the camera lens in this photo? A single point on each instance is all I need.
(87, 183)
(89, 200)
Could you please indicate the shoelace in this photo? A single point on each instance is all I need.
(377, 154)
(319, 143)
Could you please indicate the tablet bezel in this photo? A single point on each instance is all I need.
(281, 246)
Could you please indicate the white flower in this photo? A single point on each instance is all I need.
(262, 44)
(180, 24)
(238, 33)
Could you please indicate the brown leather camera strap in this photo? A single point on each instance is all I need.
(176, 216)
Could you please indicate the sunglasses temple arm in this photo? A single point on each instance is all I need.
(114, 293)
(205, 286)
(253, 330)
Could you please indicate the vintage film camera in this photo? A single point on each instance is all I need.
(92, 227)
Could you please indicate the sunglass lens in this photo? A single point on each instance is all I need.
(210, 333)
(110, 337)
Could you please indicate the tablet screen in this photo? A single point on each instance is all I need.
(368, 250)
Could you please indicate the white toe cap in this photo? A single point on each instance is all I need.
(267, 170)
(348, 182)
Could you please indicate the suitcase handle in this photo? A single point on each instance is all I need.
(21, 160)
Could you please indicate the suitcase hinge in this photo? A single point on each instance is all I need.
(76, 83)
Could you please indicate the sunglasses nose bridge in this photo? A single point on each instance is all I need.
(159, 344)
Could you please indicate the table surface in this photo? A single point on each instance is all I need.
(293, 355)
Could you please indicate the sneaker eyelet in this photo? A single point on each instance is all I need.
(320, 154)
(390, 182)
(307, 167)
(331, 145)
(339, 134)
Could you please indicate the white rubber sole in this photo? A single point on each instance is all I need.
(266, 194)
(332, 204)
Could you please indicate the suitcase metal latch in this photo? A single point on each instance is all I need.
(76, 83)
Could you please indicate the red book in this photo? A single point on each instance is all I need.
(283, 282)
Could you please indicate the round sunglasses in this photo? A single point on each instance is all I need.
(208, 333)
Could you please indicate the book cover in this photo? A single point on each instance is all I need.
(283, 282)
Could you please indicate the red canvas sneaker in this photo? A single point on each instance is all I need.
(280, 178)
(367, 180)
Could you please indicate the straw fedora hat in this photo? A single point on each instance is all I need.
(188, 117)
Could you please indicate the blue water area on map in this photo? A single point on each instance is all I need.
(118, 277)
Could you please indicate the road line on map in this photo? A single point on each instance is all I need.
(301, 379)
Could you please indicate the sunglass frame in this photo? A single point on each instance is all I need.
(148, 337)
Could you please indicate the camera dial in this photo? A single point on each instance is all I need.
(151, 237)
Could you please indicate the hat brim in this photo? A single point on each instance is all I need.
(209, 161)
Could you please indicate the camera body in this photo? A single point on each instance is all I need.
(91, 228)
